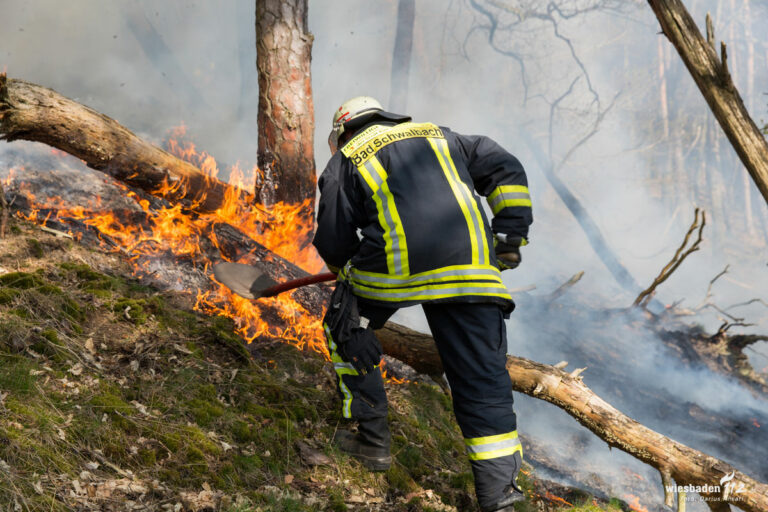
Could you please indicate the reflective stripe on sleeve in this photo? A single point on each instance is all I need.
(505, 196)
(492, 447)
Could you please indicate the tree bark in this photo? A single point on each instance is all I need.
(714, 81)
(401, 56)
(286, 111)
(35, 113)
(684, 465)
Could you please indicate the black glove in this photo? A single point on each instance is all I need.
(508, 251)
(362, 349)
(356, 343)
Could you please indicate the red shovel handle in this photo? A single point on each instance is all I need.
(297, 283)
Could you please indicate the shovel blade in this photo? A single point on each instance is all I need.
(247, 281)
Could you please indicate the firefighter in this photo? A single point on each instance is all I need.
(399, 219)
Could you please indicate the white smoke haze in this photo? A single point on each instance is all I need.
(641, 198)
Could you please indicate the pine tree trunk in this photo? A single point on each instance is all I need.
(286, 111)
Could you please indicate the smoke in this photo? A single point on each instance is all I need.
(466, 73)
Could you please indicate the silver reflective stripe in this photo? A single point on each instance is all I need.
(503, 196)
(492, 447)
(442, 146)
(425, 278)
(459, 290)
(397, 257)
(339, 366)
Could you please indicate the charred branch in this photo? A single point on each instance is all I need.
(682, 252)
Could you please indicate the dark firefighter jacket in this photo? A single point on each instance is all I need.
(398, 202)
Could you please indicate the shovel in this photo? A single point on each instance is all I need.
(252, 281)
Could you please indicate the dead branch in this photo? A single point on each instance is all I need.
(565, 286)
(677, 259)
(35, 113)
(714, 81)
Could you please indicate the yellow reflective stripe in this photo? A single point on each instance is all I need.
(341, 367)
(475, 441)
(508, 189)
(494, 454)
(463, 293)
(506, 203)
(425, 287)
(492, 447)
(478, 268)
(505, 196)
(471, 199)
(402, 247)
(433, 292)
(382, 218)
(460, 199)
(444, 275)
(363, 146)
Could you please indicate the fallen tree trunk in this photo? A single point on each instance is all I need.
(677, 463)
(35, 113)
(714, 81)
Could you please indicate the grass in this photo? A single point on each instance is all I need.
(105, 381)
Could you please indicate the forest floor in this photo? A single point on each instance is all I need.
(118, 396)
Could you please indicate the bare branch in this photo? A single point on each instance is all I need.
(677, 259)
(565, 286)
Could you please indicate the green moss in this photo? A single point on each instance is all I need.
(21, 280)
(399, 479)
(205, 411)
(148, 457)
(131, 310)
(14, 375)
(336, 501)
(51, 335)
(8, 295)
(463, 481)
(35, 248)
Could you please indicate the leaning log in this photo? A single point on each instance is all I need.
(677, 463)
(35, 113)
(711, 75)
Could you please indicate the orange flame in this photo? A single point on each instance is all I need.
(556, 499)
(285, 229)
(755, 423)
(634, 503)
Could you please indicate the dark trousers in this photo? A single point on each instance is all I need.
(472, 343)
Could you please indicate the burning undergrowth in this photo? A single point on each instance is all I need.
(174, 246)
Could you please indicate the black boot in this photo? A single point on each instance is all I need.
(370, 445)
(506, 504)
(496, 491)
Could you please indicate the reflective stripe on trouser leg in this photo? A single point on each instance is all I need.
(362, 396)
(471, 339)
